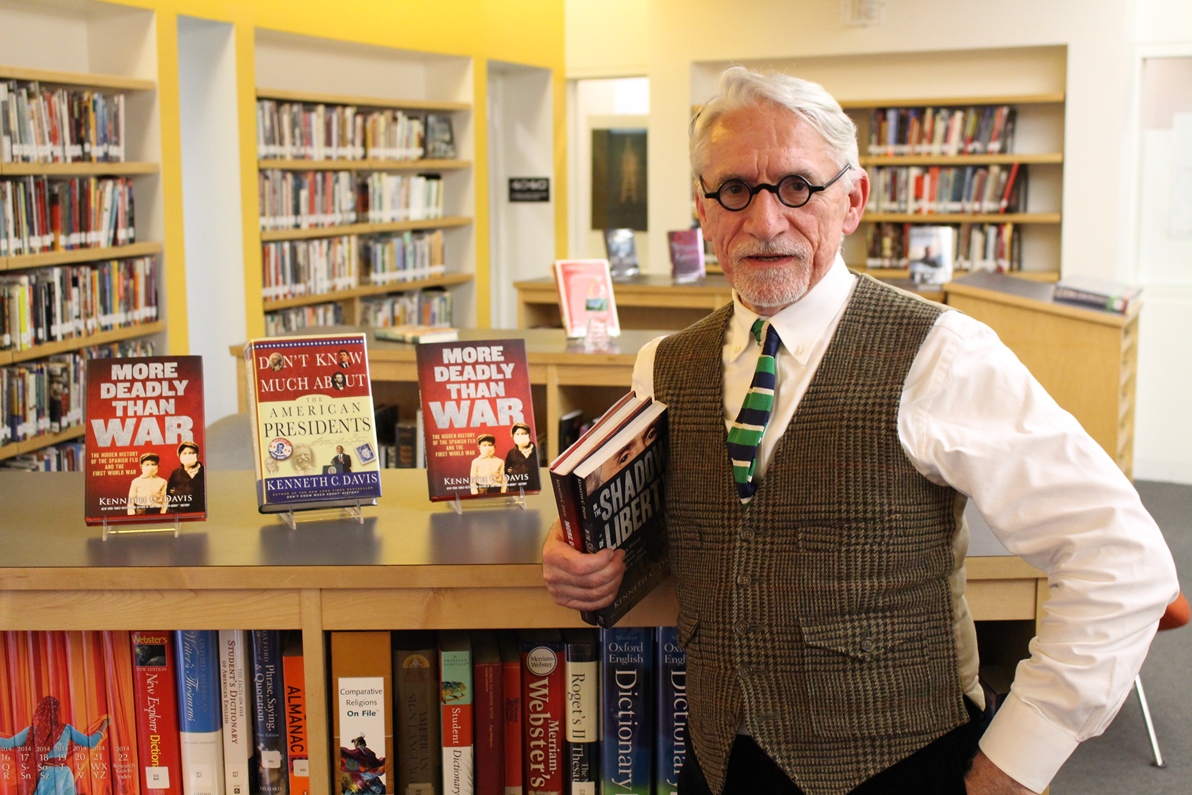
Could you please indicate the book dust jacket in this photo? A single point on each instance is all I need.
(479, 419)
(145, 459)
(315, 440)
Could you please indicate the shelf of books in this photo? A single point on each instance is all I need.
(77, 279)
(354, 203)
(979, 177)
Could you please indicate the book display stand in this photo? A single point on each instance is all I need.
(519, 500)
(115, 528)
(290, 517)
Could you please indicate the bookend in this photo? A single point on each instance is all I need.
(113, 528)
(518, 499)
(354, 511)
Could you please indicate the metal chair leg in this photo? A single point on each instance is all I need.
(1150, 727)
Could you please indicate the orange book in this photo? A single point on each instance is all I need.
(118, 694)
(96, 706)
(9, 769)
(18, 659)
(297, 750)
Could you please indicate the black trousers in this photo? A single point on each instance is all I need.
(936, 769)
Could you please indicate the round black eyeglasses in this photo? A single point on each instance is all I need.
(792, 190)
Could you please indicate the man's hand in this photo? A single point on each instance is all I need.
(986, 778)
(578, 580)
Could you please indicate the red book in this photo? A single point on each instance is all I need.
(145, 440)
(10, 780)
(95, 680)
(544, 707)
(122, 731)
(156, 700)
(488, 706)
(585, 289)
(478, 413)
(87, 713)
(18, 660)
(512, 689)
(297, 750)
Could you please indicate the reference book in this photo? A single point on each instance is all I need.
(687, 254)
(478, 418)
(144, 440)
(610, 492)
(314, 440)
(931, 250)
(586, 294)
(1097, 294)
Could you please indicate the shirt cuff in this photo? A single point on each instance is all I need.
(1025, 745)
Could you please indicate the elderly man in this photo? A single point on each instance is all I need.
(819, 571)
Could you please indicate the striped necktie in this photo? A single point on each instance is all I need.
(746, 433)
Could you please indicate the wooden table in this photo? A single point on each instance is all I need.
(648, 301)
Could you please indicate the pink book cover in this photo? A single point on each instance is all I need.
(585, 289)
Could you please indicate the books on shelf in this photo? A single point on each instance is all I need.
(144, 419)
(59, 125)
(988, 247)
(479, 418)
(621, 248)
(544, 710)
(416, 679)
(268, 712)
(586, 295)
(154, 682)
(931, 250)
(582, 677)
(1097, 294)
(456, 703)
(314, 438)
(670, 684)
(440, 136)
(979, 129)
(627, 709)
(200, 711)
(488, 707)
(969, 190)
(294, 712)
(610, 493)
(416, 333)
(237, 732)
(362, 695)
(687, 254)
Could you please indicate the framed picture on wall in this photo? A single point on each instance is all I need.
(619, 179)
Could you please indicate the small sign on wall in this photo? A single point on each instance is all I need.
(529, 189)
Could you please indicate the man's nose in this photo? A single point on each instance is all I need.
(766, 217)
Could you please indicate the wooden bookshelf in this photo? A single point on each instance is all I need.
(80, 255)
(365, 290)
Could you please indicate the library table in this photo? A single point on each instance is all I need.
(648, 301)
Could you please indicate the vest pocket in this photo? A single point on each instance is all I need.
(688, 626)
(869, 677)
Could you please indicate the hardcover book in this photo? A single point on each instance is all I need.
(18, 660)
(931, 251)
(479, 419)
(144, 440)
(610, 492)
(362, 690)
(687, 254)
(199, 711)
(237, 731)
(1096, 294)
(586, 293)
(627, 703)
(455, 681)
(670, 750)
(416, 677)
(122, 713)
(544, 709)
(621, 248)
(156, 696)
(315, 441)
(269, 733)
(582, 673)
(513, 733)
(10, 781)
(488, 706)
(87, 709)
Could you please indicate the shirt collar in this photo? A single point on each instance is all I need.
(801, 324)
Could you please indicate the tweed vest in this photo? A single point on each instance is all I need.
(822, 615)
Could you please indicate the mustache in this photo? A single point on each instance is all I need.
(764, 249)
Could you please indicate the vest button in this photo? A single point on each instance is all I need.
(867, 645)
(747, 534)
(745, 672)
(742, 628)
(744, 579)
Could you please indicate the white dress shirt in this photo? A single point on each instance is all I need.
(972, 417)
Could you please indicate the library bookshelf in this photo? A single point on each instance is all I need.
(25, 361)
(412, 565)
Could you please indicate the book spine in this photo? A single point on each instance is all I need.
(455, 678)
(362, 682)
(545, 705)
(582, 732)
(415, 676)
(512, 684)
(567, 502)
(269, 755)
(488, 707)
(199, 711)
(157, 713)
(119, 691)
(627, 702)
(19, 662)
(297, 752)
(94, 679)
(10, 783)
(671, 747)
(237, 733)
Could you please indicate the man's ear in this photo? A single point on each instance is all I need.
(858, 197)
(699, 205)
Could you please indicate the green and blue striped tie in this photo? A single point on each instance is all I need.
(746, 433)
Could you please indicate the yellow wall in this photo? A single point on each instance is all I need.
(518, 31)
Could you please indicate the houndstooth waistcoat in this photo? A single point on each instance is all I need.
(822, 615)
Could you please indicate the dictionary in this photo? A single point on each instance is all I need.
(311, 408)
(478, 419)
(145, 460)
